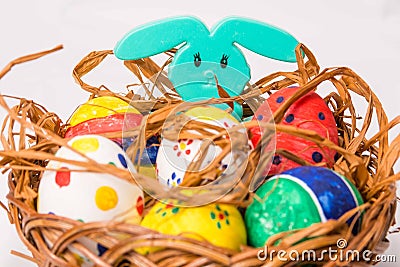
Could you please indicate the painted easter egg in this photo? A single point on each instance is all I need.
(296, 199)
(174, 157)
(220, 224)
(100, 107)
(111, 123)
(90, 196)
(106, 114)
(309, 112)
(149, 155)
(145, 162)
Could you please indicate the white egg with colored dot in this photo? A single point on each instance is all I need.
(89, 196)
(174, 157)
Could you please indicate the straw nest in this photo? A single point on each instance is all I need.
(31, 135)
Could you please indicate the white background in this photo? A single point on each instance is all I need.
(363, 35)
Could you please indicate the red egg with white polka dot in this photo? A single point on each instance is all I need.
(310, 112)
(89, 196)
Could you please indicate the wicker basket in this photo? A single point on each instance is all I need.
(365, 162)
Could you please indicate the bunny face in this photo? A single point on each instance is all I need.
(208, 57)
(196, 69)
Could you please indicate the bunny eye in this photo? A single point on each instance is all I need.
(197, 59)
(224, 61)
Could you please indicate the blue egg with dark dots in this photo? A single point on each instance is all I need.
(149, 156)
(152, 146)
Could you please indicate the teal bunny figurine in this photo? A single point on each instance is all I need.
(208, 58)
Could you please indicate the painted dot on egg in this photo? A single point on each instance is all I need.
(279, 99)
(63, 178)
(182, 146)
(106, 198)
(260, 117)
(175, 210)
(86, 144)
(321, 116)
(212, 215)
(122, 160)
(276, 160)
(289, 118)
(317, 157)
(140, 205)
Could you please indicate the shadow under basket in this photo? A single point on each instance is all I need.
(31, 135)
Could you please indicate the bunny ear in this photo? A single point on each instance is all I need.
(159, 36)
(259, 37)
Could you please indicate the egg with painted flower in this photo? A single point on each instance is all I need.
(220, 224)
(89, 196)
(174, 157)
(298, 198)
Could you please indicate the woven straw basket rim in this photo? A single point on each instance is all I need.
(366, 162)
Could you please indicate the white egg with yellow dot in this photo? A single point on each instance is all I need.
(89, 196)
(174, 157)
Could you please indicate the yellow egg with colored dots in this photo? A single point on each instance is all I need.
(220, 224)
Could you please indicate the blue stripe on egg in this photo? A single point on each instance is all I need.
(335, 196)
(305, 188)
